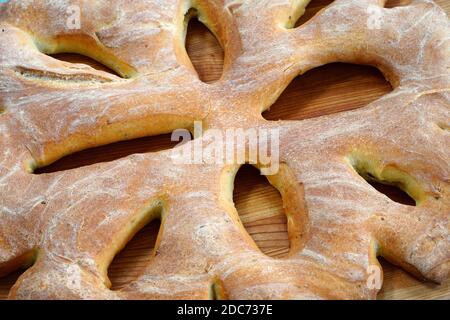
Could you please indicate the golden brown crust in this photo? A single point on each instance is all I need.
(77, 220)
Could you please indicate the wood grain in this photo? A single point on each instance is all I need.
(328, 89)
(206, 54)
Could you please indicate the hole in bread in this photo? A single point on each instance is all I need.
(329, 89)
(397, 3)
(78, 64)
(110, 152)
(80, 59)
(389, 180)
(203, 48)
(392, 192)
(132, 260)
(260, 209)
(6, 283)
(75, 45)
(310, 11)
(12, 270)
(399, 284)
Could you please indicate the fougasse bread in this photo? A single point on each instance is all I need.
(67, 226)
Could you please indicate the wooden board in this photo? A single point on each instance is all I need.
(328, 89)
